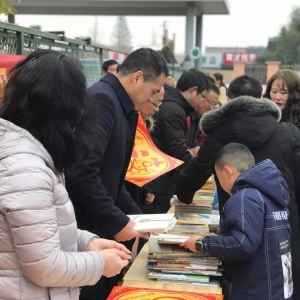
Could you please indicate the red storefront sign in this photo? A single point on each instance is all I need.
(230, 57)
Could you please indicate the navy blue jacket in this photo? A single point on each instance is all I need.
(95, 185)
(254, 236)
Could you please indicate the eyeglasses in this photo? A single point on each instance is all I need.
(156, 104)
(213, 104)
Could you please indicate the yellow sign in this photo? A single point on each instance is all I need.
(147, 162)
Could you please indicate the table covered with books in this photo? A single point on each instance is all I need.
(169, 267)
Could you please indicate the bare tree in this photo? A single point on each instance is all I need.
(94, 31)
(121, 35)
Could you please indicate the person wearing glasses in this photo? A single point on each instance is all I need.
(210, 101)
(170, 132)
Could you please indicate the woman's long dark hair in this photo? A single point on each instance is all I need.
(46, 94)
(291, 112)
(220, 77)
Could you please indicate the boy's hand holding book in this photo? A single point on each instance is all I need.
(194, 243)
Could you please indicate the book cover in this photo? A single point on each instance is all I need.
(153, 222)
(192, 218)
(213, 283)
(172, 251)
(132, 293)
(178, 277)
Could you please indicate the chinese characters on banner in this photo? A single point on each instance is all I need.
(230, 58)
(147, 162)
(135, 293)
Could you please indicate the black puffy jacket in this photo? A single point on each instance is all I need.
(254, 123)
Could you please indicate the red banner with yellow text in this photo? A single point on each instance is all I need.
(147, 162)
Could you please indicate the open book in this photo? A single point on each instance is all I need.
(156, 223)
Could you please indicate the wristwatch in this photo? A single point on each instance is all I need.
(199, 244)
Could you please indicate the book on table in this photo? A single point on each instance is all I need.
(189, 229)
(135, 293)
(198, 219)
(202, 203)
(156, 223)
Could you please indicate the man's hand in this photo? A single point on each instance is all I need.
(190, 243)
(128, 233)
(115, 261)
(149, 198)
(97, 244)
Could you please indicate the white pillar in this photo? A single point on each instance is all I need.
(189, 33)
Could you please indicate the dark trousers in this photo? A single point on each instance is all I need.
(101, 289)
(160, 205)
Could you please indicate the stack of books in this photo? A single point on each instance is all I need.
(170, 263)
(211, 221)
(186, 229)
(209, 185)
(202, 203)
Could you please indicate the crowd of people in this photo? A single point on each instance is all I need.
(65, 149)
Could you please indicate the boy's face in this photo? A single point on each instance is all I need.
(227, 177)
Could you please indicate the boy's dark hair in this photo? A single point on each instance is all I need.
(192, 78)
(236, 155)
(150, 62)
(212, 87)
(46, 94)
(245, 86)
(109, 63)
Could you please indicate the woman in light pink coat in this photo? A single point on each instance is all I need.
(47, 124)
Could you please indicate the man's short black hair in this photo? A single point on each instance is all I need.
(109, 63)
(245, 86)
(236, 155)
(213, 88)
(192, 78)
(150, 62)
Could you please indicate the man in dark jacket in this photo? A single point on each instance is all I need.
(95, 185)
(212, 102)
(255, 233)
(170, 131)
(254, 123)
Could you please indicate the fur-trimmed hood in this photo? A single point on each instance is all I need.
(244, 106)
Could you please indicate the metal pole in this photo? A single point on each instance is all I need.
(20, 43)
(199, 27)
(11, 19)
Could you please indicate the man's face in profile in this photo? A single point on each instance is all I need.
(113, 69)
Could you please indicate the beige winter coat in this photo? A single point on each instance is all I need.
(41, 250)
